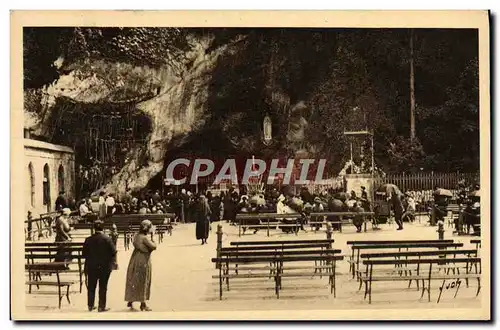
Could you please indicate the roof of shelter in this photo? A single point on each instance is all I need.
(35, 144)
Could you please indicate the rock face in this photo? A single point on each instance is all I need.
(175, 103)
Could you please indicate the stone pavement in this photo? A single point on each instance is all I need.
(182, 278)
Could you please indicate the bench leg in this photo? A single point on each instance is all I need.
(458, 287)
(60, 296)
(441, 291)
(334, 285)
(370, 293)
(330, 281)
(220, 282)
(429, 292)
(423, 289)
(277, 285)
(67, 294)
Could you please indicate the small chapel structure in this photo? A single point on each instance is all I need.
(50, 169)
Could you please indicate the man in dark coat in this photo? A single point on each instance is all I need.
(335, 205)
(202, 216)
(398, 209)
(61, 202)
(100, 257)
(358, 220)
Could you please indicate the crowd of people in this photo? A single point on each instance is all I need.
(204, 208)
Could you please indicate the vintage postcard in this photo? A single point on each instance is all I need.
(258, 165)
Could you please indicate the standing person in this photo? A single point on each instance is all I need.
(102, 205)
(156, 198)
(61, 201)
(411, 207)
(62, 226)
(216, 207)
(317, 208)
(138, 284)
(63, 235)
(366, 204)
(99, 252)
(110, 205)
(397, 207)
(202, 215)
(114, 234)
(358, 220)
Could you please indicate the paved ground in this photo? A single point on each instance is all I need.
(182, 279)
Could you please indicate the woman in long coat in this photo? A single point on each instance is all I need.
(138, 284)
(63, 235)
(102, 205)
(202, 215)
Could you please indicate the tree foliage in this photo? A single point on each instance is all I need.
(344, 79)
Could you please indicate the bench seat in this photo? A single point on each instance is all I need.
(50, 283)
(244, 275)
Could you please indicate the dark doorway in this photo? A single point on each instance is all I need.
(46, 187)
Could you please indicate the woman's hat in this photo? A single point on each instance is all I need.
(317, 200)
(66, 211)
(146, 225)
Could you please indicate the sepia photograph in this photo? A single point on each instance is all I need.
(250, 165)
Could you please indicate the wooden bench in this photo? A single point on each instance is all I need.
(357, 246)
(416, 254)
(476, 242)
(269, 220)
(305, 250)
(47, 254)
(423, 275)
(128, 225)
(34, 275)
(342, 220)
(326, 257)
(352, 258)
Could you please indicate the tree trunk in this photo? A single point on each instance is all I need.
(412, 90)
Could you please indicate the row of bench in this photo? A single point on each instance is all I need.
(40, 261)
(270, 221)
(41, 256)
(411, 260)
(128, 224)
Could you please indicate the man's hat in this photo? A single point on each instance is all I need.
(98, 225)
